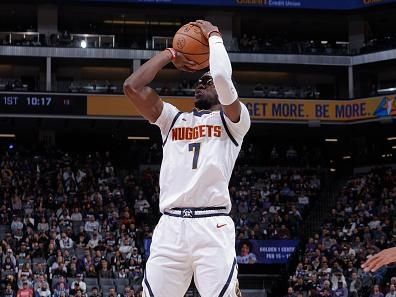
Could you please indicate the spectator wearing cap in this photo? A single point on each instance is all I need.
(135, 259)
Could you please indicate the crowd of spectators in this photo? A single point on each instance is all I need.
(15, 85)
(277, 91)
(76, 224)
(70, 226)
(380, 43)
(361, 224)
(271, 43)
(100, 87)
(289, 45)
(271, 204)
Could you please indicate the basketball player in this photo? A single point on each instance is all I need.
(380, 259)
(195, 236)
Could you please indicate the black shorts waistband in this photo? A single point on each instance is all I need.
(196, 212)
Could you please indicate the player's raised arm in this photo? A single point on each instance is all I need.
(383, 258)
(145, 98)
(221, 71)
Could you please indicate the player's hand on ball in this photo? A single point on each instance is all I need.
(206, 27)
(182, 63)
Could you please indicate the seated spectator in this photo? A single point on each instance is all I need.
(65, 242)
(376, 292)
(81, 284)
(94, 292)
(25, 291)
(9, 291)
(290, 292)
(129, 292)
(355, 285)
(43, 290)
(104, 270)
(112, 292)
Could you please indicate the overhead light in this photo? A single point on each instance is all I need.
(11, 146)
(346, 157)
(83, 44)
(138, 138)
(332, 170)
(143, 23)
(342, 42)
(7, 135)
(391, 138)
(331, 140)
(324, 42)
(394, 147)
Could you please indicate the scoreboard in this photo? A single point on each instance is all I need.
(43, 104)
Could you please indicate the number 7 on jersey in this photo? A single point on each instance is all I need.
(195, 147)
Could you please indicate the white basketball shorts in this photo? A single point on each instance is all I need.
(183, 247)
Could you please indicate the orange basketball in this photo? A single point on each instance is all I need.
(190, 41)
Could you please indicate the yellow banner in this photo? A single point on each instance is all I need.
(121, 106)
(268, 109)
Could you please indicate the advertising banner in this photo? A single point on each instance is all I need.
(265, 251)
(269, 110)
(323, 110)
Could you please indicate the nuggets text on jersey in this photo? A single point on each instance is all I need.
(189, 133)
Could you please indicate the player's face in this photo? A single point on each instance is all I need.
(205, 93)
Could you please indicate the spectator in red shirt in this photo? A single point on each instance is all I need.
(25, 291)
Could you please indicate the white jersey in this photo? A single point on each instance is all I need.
(199, 153)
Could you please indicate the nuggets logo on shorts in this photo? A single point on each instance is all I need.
(187, 213)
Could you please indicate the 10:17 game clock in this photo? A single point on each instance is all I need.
(43, 104)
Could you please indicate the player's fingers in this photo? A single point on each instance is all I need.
(371, 260)
(378, 266)
(370, 265)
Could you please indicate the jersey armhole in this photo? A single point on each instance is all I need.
(226, 128)
(171, 126)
